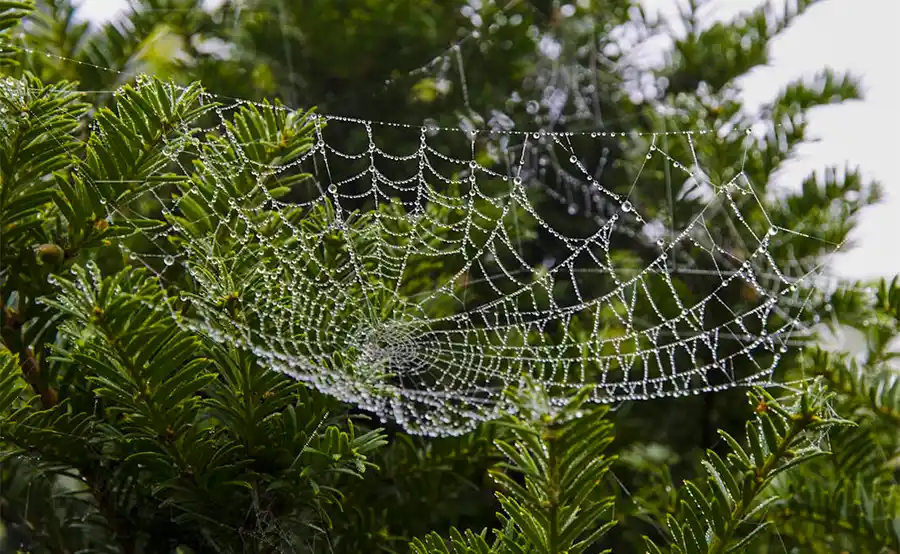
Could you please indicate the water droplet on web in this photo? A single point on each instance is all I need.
(573, 159)
(517, 180)
(169, 260)
(626, 206)
(773, 231)
(532, 107)
(649, 156)
(660, 242)
(431, 127)
(332, 189)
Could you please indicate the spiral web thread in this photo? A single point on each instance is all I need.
(399, 282)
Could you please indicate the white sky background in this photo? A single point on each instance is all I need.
(860, 36)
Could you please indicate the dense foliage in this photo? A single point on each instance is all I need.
(122, 432)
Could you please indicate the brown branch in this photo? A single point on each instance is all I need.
(123, 533)
(32, 372)
(11, 337)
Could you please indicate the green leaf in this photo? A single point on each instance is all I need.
(11, 383)
(742, 456)
(744, 542)
(723, 477)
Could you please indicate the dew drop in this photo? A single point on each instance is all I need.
(169, 260)
(431, 127)
(626, 206)
(332, 189)
(532, 107)
(573, 159)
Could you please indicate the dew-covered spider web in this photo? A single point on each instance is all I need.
(415, 284)
(421, 272)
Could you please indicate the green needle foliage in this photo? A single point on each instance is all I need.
(122, 431)
(169, 435)
(551, 496)
(143, 436)
(548, 484)
(722, 512)
(851, 500)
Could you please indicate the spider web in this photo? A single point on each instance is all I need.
(402, 282)
(422, 285)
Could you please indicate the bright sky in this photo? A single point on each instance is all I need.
(861, 36)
